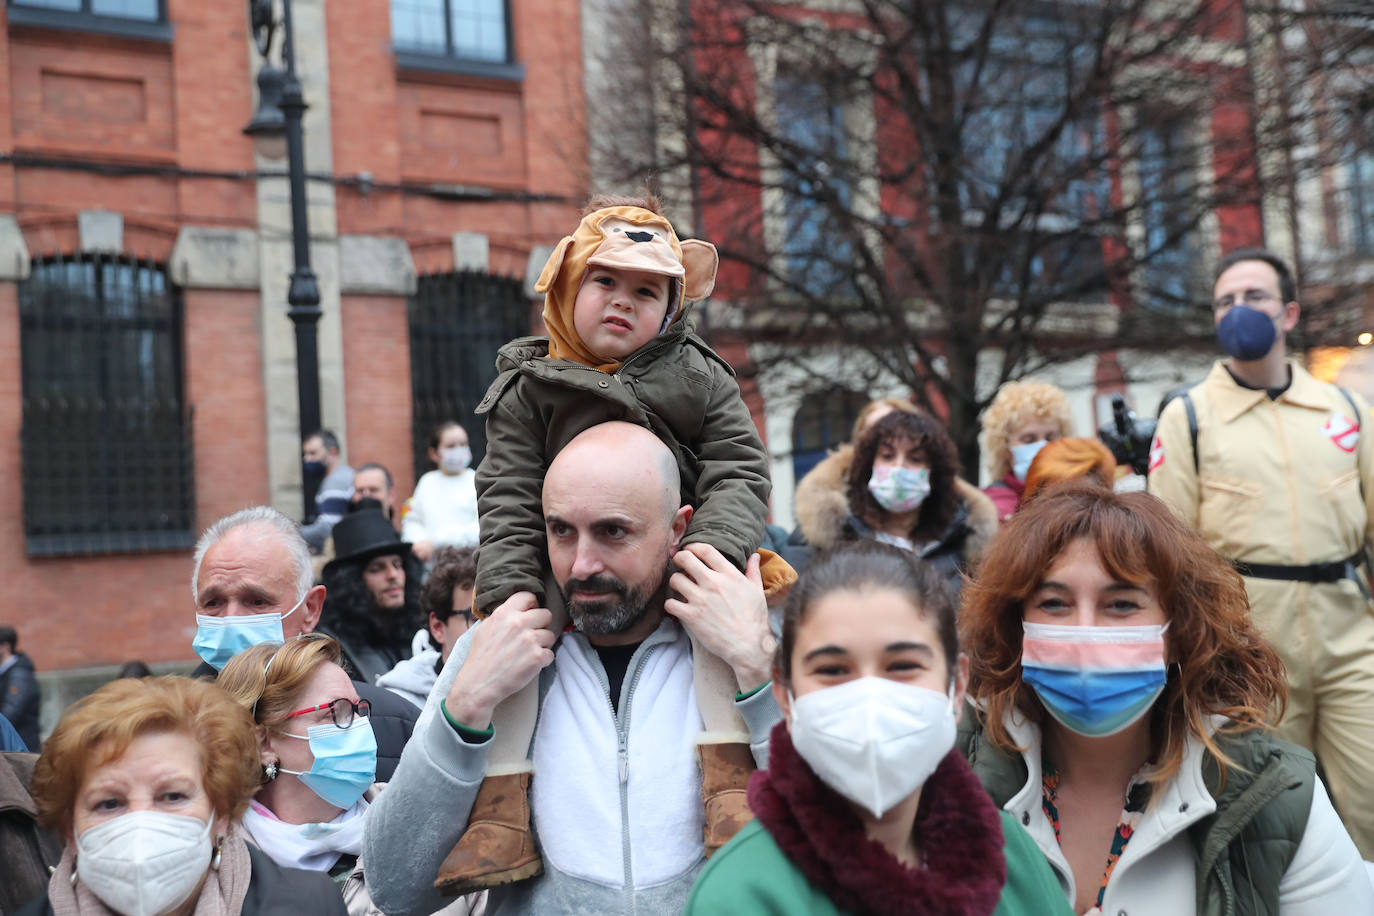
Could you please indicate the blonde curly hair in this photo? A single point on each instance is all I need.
(1017, 403)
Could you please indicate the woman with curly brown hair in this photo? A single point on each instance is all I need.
(1124, 700)
(903, 489)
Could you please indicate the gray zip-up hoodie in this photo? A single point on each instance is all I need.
(417, 821)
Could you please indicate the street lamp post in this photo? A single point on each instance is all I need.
(281, 105)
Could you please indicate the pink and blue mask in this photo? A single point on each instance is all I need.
(1095, 681)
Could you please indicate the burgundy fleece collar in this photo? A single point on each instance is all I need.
(817, 830)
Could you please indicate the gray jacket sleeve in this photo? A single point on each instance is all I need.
(413, 825)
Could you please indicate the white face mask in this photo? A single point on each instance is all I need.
(455, 460)
(145, 862)
(873, 740)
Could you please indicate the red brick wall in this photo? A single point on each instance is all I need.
(102, 99)
(79, 611)
(376, 362)
(224, 384)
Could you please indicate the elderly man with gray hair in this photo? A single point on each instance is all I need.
(252, 582)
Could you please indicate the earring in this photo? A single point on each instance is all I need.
(270, 771)
(219, 852)
(73, 871)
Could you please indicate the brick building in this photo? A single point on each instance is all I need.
(814, 149)
(147, 365)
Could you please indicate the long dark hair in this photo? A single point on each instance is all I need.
(352, 616)
(928, 434)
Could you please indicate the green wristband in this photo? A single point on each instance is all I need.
(470, 735)
(741, 697)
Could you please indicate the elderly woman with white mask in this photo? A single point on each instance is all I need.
(146, 779)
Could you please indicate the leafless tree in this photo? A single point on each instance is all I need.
(970, 192)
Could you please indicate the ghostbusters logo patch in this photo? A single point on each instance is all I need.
(1156, 453)
(1342, 431)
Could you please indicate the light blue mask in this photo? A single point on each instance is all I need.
(219, 639)
(345, 761)
(1022, 455)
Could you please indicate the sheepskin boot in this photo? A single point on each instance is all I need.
(498, 846)
(725, 770)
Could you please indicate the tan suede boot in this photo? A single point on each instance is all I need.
(498, 847)
(725, 770)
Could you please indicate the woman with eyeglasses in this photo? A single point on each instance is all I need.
(319, 758)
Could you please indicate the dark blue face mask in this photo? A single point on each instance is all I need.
(1246, 334)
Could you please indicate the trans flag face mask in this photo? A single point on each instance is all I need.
(1095, 681)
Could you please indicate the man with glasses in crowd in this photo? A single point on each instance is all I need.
(1276, 469)
(252, 583)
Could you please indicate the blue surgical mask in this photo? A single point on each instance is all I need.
(1022, 455)
(1246, 334)
(1095, 681)
(219, 639)
(345, 761)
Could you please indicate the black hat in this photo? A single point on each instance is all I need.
(362, 535)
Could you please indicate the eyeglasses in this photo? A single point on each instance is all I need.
(343, 710)
(1249, 297)
(466, 613)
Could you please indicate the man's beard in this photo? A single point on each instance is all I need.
(618, 613)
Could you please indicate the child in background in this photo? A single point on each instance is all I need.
(619, 348)
(443, 510)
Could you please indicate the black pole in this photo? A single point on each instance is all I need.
(303, 296)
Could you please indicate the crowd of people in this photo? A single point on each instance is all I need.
(584, 677)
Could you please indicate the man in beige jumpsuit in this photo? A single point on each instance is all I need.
(1282, 484)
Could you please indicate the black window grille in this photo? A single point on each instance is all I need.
(457, 323)
(106, 435)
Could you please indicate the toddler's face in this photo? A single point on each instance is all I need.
(618, 311)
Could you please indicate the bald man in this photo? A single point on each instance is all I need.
(617, 803)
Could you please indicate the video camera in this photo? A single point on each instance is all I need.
(1128, 436)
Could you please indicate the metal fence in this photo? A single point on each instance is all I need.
(106, 436)
(458, 320)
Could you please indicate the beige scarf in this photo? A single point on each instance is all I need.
(222, 894)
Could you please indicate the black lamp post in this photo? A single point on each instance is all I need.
(281, 104)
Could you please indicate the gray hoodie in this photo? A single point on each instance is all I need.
(416, 822)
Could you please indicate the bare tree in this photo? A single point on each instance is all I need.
(968, 193)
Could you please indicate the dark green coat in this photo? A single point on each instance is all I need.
(676, 386)
(1241, 850)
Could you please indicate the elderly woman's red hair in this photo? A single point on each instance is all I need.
(1070, 459)
(99, 728)
(1219, 663)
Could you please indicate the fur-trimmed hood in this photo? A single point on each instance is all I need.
(822, 508)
